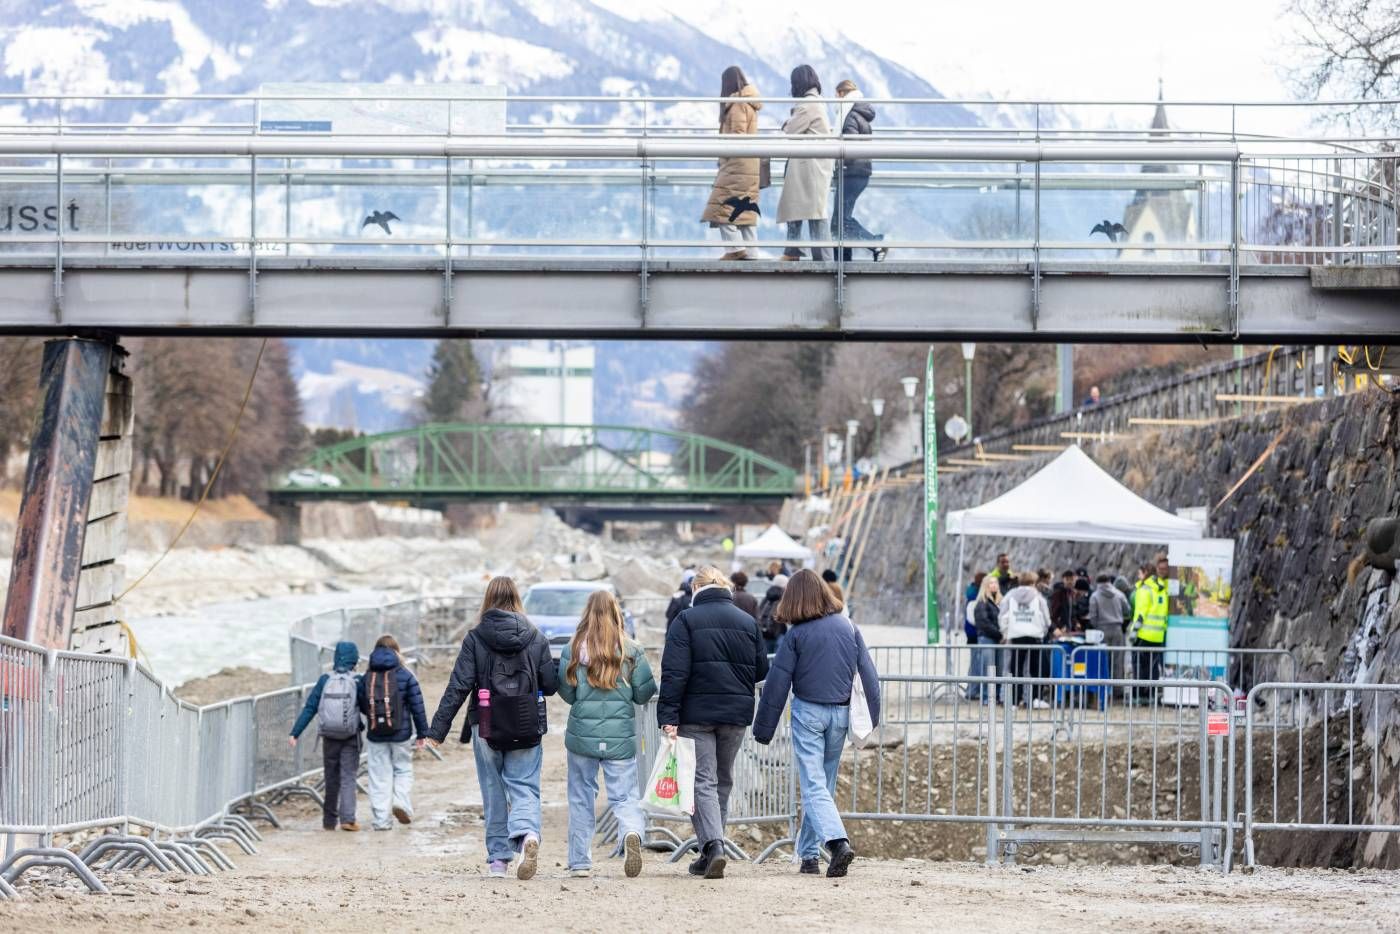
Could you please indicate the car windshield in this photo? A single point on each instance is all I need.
(556, 602)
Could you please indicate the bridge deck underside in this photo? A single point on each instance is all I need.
(619, 298)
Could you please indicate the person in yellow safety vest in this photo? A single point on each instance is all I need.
(1005, 579)
(1150, 625)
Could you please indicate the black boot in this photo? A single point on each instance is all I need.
(711, 861)
(840, 854)
(811, 867)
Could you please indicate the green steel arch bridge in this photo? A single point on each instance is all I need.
(563, 463)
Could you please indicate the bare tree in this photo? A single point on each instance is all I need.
(1349, 49)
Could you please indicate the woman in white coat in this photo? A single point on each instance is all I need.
(806, 182)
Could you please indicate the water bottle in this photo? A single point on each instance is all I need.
(483, 713)
(541, 722)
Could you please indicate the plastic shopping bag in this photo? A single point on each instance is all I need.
(671, 788)
(860, 725)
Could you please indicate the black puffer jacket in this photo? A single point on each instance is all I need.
(987, 615)
(857, 123)
(500, 632)
(713, 658)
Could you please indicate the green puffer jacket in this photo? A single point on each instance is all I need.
(603, 724)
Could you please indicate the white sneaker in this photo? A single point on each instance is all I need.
(529, 858)
(1040, 705)
(632, 850)
(581, 873)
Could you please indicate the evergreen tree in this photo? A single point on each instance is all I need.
(454, 383)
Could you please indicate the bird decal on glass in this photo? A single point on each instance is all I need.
(380, 218)
(1110, 230)
(740, 206)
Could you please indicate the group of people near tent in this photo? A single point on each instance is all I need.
(1027, 610)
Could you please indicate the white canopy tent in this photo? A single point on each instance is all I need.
(773, 543)
(1073, 499)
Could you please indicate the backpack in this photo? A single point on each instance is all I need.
(517, 716)
(338, 716)
(767, 622)
(386, 707)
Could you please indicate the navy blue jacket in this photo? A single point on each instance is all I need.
(382, 660)
(713, 658)
(818, 661)
(347, 656)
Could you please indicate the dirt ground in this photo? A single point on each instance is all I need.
(432, 876)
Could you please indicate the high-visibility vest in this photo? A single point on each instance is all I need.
(1150, 611)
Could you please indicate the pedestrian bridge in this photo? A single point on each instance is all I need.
(584, 463)
(592, 230)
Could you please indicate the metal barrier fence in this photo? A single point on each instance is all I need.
(95, 746)
(416, 623)
(1329, 764)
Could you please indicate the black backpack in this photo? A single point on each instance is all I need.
(515, 718)
(386, 707)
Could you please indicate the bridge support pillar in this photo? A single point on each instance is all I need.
(48, 583)
(287, 515)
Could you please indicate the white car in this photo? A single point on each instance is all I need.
(556, 607)
(305, 477)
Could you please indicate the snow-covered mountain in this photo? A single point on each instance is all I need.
(616, 48)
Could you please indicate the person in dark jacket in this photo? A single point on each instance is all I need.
(854, 177)
(769, 626)
(510, 779)
(680, 599)
(340, 756)
(714, 656)
(986, 616)
(818, 661)
(1061, 602)
(742, 598)
(1082, 592)
(391, 754)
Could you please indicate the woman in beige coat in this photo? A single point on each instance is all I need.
(733, 204)
(806, 182)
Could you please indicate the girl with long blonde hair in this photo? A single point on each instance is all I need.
(605, 676)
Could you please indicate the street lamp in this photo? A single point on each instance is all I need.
(851, 426)
(911, 384)
(878, 407)
(967, 351)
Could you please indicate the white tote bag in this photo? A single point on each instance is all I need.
(671, 788)
(860, 724)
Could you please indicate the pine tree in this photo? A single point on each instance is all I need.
(454, 382)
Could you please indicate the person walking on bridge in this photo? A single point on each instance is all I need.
(819, 661)
(603, 677)
(806, 182)
(333, 702)
(714, 657)
(733, 205)
(392, 703)
(856, 118)
(503, 672)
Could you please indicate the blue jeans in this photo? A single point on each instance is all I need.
(982, 660)
(621, 778)
(510, 796)
(818, 736)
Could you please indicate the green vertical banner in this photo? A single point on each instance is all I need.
(930, 506)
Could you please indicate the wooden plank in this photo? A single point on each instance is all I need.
(1167, 422)
(1038, 447)
(967, 462)
(989, 456)
(113, 457)
(99, 584)
(864, 536)
(857, 527)
(1241, 397)
(118, 408)
(1096, 436)
(109, 496)
(102, 639)
(105, 539)
(94, 616)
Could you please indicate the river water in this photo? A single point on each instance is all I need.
(244, 632)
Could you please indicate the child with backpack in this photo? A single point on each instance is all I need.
(332, 702)
(503, 673)
(604, 675)
(392, 703)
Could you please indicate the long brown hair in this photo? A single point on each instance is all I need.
(806, 598)
(387, 641)
(501, 594)
(599, 636)
(730, 84)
